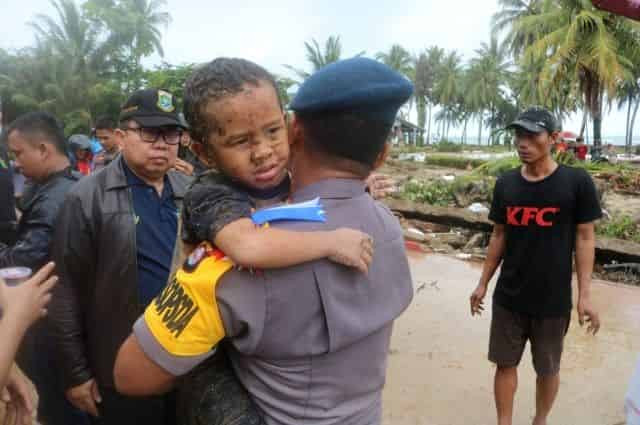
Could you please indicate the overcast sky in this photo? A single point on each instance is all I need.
(272, 33)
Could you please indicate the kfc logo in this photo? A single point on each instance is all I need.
(522, 216)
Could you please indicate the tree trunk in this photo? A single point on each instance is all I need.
(422, 116)
(626, 132)
(597, 120)
(585, 115)
(429, 125)
(464, 131)
(480, 130)
(633, 122)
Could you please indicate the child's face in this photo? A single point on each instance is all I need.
(249, 143)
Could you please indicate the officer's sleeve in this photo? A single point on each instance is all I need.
(210, 205)
(182, 326)
(242, 300)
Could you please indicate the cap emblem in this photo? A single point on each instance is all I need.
(165, 101)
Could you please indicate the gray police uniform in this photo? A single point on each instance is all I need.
(310, 342)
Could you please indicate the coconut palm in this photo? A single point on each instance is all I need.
(582, 47)
(399, 59)
(447, 88)
(320, 57)
(511, 12)
(134, 28)
(489, 75)
(428, 68)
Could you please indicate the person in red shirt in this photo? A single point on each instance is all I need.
(581, 149)
(561, 146)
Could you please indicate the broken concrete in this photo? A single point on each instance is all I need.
(607, 249)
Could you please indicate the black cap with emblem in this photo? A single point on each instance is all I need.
(151, 108)
(536, 120)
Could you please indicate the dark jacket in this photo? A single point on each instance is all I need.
(8, 221)
(96, 300)
(40, 205)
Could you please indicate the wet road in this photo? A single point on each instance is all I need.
(438, 373)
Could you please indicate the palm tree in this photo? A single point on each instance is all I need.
(583, 51)
(318, 57)
(423, 85)
(71, 37)
(134, 28)
(399, 59)
(428, 68)
(512, 11)
(489, 71)
(448, 87)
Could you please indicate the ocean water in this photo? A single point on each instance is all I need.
(614, 140)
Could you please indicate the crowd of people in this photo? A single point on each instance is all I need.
(159, 298)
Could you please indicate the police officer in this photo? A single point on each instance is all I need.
(308, 342)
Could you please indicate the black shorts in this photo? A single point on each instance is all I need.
(509, 334)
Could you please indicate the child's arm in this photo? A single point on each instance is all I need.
(252, 246)
(215, 211)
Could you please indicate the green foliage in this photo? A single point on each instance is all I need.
(447, 146)
(620, 228)
(437, 192)
(86, 61)
(497, 167)
(451, 161)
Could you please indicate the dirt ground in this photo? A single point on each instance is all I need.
(438, 373)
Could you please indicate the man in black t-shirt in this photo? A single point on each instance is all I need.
(543, 212)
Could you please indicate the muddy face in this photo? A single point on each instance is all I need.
(249, 139)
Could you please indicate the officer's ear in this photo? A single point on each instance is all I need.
(382, 156)
(554, 137)
(294, 130)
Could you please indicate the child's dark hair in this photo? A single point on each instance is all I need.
(213, 81)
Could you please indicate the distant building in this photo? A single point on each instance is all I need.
(406, 133)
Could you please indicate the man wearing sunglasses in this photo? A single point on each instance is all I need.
(113, 246)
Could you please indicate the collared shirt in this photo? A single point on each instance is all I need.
(156, 218)
(308, 342)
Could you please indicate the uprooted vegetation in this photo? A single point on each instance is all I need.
(477, 183)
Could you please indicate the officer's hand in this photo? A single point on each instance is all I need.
(477, 299)
(85, 397)
(352, 248)
(588, 314)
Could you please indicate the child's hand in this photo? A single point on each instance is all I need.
(352, 248)
(27, 301)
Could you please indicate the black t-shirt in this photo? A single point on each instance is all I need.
(540, 221)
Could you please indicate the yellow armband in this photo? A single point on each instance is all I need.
(185, 318)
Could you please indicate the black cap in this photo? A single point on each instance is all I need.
(536, 120)
(151, 108)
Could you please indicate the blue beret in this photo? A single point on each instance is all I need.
(359, 85)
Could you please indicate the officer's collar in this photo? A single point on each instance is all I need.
(281, 190)
(330, 189)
